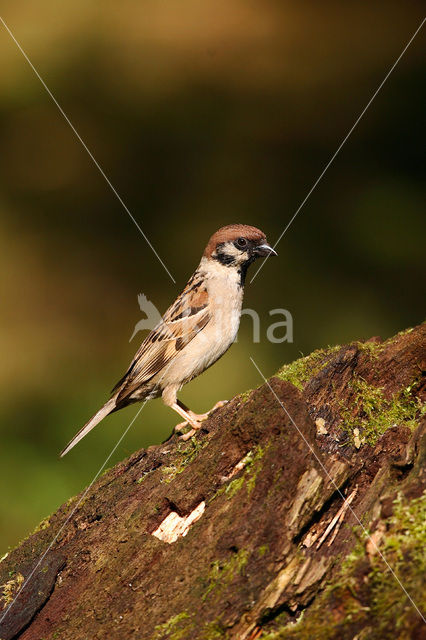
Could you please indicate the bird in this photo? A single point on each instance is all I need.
(195, 331)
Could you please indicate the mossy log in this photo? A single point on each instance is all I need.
(297, 512)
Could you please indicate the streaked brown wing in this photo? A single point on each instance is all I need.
(180, 324)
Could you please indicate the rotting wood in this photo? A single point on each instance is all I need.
(249, 561)
(175, 526)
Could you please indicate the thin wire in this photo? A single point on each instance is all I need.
(82, 497)
(340, 493)
(27, 580)
(345, 139)
(101, 171)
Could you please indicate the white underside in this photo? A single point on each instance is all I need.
(226, 296)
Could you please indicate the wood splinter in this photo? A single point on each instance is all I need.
(337, 520)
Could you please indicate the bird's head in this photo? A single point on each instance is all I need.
(237, 246)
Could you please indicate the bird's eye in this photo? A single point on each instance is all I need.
(242, 242)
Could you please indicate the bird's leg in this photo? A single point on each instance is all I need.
(194, 419)
(204, 416)
(189, 418)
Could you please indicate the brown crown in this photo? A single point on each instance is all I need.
(230, 233)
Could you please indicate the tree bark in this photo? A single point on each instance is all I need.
(295, 513)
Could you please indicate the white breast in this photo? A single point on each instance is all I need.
(225, 296)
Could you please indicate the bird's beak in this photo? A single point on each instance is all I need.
(263, 250)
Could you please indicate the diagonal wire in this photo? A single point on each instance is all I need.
(339, 148)
(27, 580)
(96, 163)
(340, 493)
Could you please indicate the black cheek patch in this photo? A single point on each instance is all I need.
(225, 259)
(243, 270)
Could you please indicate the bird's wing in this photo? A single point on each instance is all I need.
(188, 315)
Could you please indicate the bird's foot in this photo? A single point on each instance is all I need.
(196, 420)
(181, 425)
(186, 436)
(204, 416)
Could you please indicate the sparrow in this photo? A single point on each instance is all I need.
(196, 330)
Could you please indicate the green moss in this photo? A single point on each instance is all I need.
(263, 549)
(70, 501)
(10, 589)
(403, 550)
(234, 486)
(372, 348)
(371, 413)
(252, 466)
(170, 472)
(186, 453)
(44, 524)
(221, 575)
(212, 631)
(176, 628)
(143, 476)
(300, 371)
(404, 332)
(243, 397)
(390, 612)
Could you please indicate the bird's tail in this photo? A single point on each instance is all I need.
(99, 415)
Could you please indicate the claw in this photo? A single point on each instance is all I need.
(219, 404)
(195, 419)
(181, 426)
(199, 417)
(187, 436)
(196, 426)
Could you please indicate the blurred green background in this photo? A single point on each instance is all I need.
(202, 114)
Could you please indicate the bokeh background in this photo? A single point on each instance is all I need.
(201, 114)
